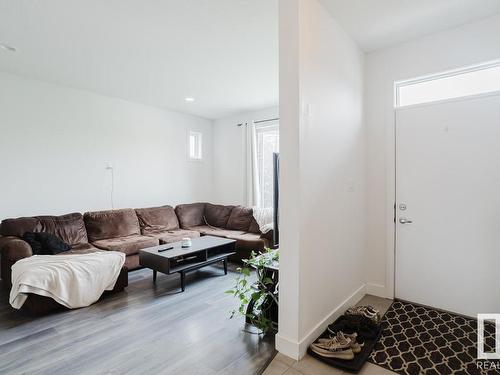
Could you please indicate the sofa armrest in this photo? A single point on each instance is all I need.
(13, 249)
(269, 236)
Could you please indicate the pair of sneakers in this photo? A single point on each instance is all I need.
(367, 311)
(338, 346)
(363, 326)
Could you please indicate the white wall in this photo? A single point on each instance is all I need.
(469, 44)
(323, 166)
(230, 155)
(55, 143)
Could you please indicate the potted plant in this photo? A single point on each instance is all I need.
(258, 296)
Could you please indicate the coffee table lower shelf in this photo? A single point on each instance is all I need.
(183, 270)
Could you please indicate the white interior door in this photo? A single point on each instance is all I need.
(448, 186)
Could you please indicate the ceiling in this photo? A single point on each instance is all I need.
(375, 24)
(222, 53)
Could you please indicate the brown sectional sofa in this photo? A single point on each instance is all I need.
(129, 230)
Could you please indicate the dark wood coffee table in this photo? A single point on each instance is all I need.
(204, 251)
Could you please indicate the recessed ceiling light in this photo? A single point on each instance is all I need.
(189, 99)
(5, 47)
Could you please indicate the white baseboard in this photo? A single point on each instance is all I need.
(313, 334)
(377, 290)
(287, 347)
(297, 350)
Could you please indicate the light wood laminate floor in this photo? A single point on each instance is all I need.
(282, 365)
(148, 329)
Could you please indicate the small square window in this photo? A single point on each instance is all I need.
(195, 145)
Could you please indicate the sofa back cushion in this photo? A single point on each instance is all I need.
(111, 224)
(240, 218)
(17, 227)
(69, 228)
(254, 226)
(217, 215)
(157, 217)
(191, 215)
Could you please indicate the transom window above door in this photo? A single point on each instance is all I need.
(458, 83)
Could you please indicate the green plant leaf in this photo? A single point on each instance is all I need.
(255, 287)
(256, 295)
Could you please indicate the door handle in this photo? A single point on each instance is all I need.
(404, 220)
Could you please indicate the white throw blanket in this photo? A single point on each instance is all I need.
(264, 217)
(73, 280)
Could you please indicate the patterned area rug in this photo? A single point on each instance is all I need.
(418, 340)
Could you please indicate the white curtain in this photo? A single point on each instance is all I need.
(253, 186)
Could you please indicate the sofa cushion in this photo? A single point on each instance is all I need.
(17, 227)
(218, 232)
(160, 217)
(128, 244)
(82, 248)
(70, 228)
(76, 251)
(169, 236)
(240, 218)
(190, 215)
(110, 224)
(132, 262)
(217, 215)
(250, 241)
